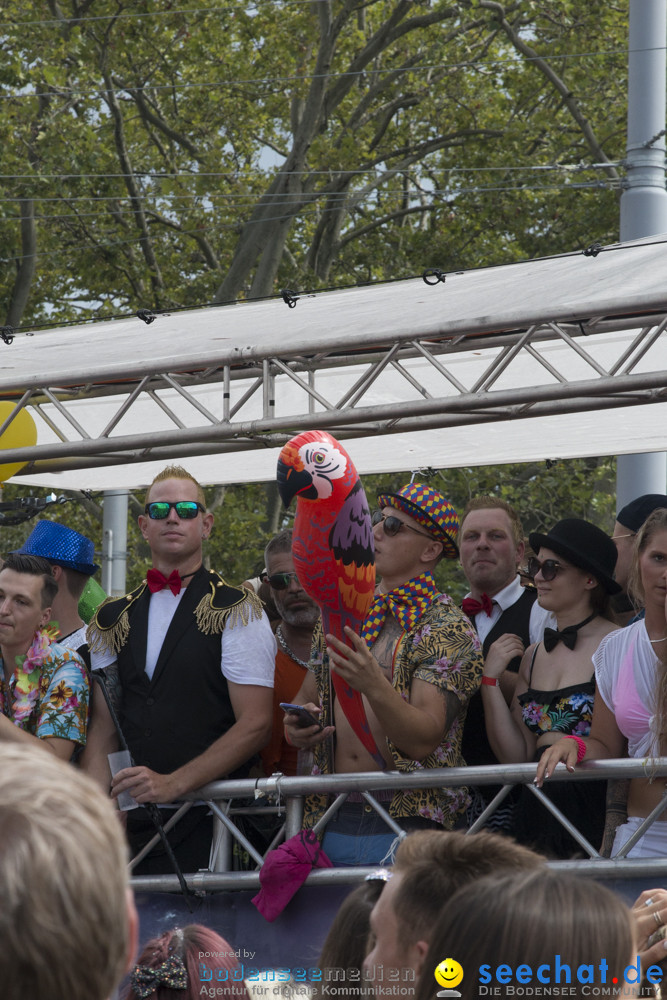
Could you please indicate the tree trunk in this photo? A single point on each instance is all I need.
(26, 269)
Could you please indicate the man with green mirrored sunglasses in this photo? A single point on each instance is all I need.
(195, 661)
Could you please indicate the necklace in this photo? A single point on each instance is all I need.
(286, 649)
(664, 639)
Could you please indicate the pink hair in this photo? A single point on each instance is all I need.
(196, 938)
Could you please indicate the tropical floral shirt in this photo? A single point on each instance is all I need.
(48, 693)
(443, 650)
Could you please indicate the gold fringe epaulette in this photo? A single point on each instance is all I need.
(110, 626)
(226, 605)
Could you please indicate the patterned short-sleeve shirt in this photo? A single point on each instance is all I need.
(443, 650)
(52, 698)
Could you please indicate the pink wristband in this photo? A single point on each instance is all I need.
(581, 747)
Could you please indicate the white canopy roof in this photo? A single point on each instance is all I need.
(559, 357)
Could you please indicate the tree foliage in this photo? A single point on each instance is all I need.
(168, 155)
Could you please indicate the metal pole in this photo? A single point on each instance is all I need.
(114, 551)
(644, 201)
(107, 558)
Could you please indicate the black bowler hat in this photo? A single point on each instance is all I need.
(584, 545)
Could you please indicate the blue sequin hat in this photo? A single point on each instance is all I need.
(62, 546)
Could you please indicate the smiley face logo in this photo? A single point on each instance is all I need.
(449, 973)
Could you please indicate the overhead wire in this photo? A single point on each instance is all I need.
(195, 175)
(332, 197)
(142, 15)
(447, 198)
(367, 71)
(131, 15)
(243, 200)
(212, 227)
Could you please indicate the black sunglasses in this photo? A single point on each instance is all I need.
(186, 509)
(550, 568)
(281, 581)
(392, 525)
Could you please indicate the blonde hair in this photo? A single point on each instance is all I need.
(655, 522)
(63, 881)
(176, 472)
(435, 863)
(527, 919)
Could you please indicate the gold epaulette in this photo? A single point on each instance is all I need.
(226, 605)
(110, 625)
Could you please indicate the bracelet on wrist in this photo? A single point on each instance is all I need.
(287, 739)
(491, 681)
(581, 747)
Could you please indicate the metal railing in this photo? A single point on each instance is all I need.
(285, 796)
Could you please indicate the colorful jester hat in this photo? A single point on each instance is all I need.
(332, 547)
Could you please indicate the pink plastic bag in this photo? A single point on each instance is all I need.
(285, 869)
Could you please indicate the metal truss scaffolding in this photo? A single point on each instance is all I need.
(505, 347)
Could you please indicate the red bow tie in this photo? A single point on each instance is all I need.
(471, 607)
(158, 581)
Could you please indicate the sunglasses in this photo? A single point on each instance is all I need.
(550, 568)
(392, 525)
(281, 581)
(186, 509)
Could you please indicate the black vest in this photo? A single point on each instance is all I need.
(475, 746)
(185, 707)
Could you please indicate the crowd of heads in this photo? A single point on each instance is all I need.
(523, 920)
(612, 562)
(486, 902)
(68, 922)
(69, 925)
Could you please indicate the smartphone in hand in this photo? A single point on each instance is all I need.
(306, 718)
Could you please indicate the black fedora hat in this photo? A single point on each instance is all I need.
(584, 545)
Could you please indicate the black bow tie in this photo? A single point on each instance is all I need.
(568, 636)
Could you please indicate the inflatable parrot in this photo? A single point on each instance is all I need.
(332, 547)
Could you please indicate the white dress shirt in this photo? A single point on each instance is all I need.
(504, 599)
